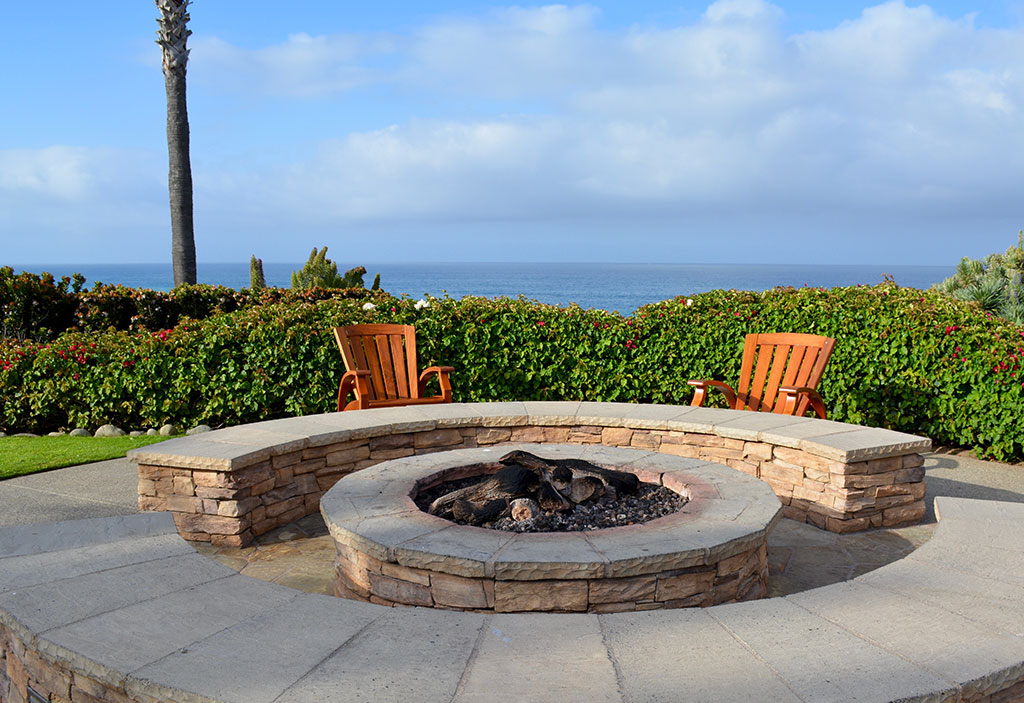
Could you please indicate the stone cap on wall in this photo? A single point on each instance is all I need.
(234, 448)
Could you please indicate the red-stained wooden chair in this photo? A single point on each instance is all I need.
(381, 368)
(779, 374)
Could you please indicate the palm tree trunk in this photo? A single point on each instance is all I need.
(172, 37)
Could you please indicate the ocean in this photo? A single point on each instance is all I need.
(622, 287)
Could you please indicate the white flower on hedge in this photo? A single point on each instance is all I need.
(420, 304)
(368, 306)
(689, 302)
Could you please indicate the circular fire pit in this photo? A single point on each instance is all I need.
(390, 552)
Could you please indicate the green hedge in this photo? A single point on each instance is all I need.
(914, 361)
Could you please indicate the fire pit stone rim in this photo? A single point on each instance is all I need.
(725, 527)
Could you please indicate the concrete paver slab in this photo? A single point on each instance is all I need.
(425, 663)
(19, 540)
(950, 646)
(51, 605)
(799, 645)
(164, 625)
(257, 659)
(21, 572)
(863, 444)
(100, 489)
(686, 655)
(528, 657)
(996, 604)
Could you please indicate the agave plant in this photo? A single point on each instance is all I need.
(996, 282)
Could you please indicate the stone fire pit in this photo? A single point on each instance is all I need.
(712, 551)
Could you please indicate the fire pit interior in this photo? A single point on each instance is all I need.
(710, 550)
(522, 492)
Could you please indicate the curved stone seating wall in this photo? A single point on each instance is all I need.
(231, 485)
(121, 610)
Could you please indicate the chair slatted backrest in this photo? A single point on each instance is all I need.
(388, 352)
(781, 359)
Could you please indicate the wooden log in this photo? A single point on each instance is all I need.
(479, 513)
(584, 488)
(621, 481)
(551, 500)
(524, 509)
(509, 483)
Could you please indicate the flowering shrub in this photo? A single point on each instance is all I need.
(909, 360)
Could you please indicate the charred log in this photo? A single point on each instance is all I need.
(621, 481)
(477, 514)
(507, 484)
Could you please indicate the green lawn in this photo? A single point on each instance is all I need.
(27, 455)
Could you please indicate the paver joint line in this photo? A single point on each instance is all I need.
(755, 654)
(358, 633)
(485, 627)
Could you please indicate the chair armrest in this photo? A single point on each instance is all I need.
(789, 396)
(442, 373)
(700, 395)
(357, 383)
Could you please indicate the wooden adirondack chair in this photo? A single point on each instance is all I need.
(381, 368)
(779, 373)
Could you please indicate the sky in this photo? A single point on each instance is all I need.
(734, 131)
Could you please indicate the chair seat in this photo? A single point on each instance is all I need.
(398, 402)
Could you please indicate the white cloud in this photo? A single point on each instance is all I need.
(890, 110)
(61, 172)
(60, 201)
(302, 66)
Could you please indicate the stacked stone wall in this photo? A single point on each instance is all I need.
(741, 576)
(24, 671)
(230, 508)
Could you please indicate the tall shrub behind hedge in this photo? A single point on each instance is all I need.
(36, 306)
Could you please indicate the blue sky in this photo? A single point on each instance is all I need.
(644, 131)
